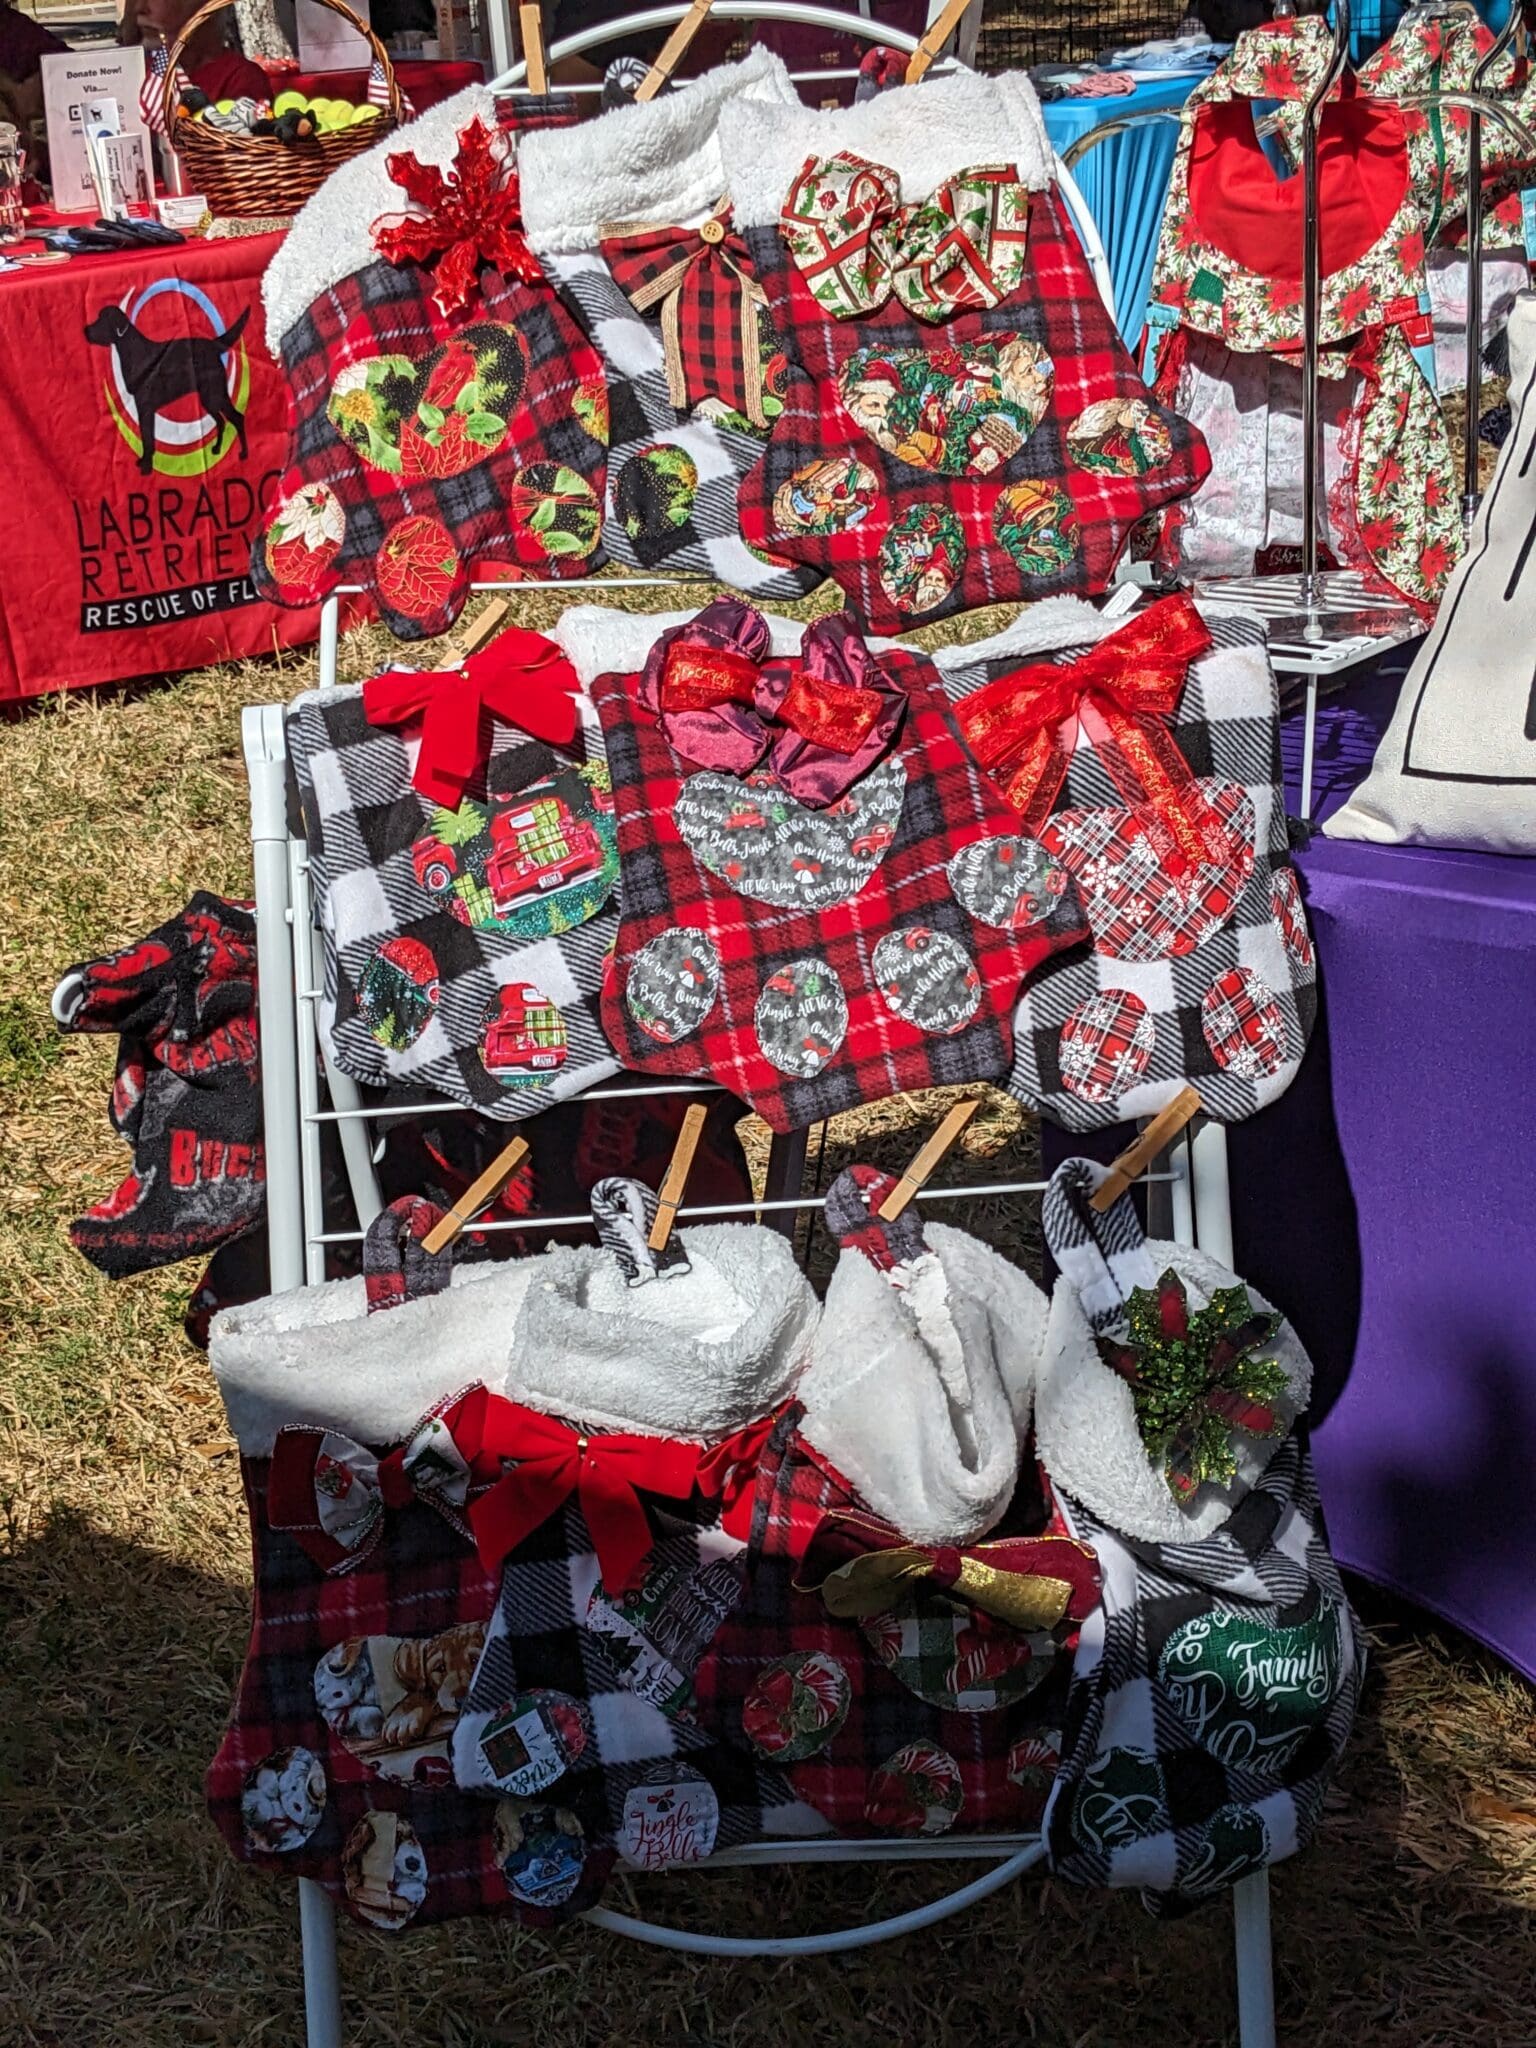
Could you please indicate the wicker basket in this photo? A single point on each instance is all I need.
(247, 175)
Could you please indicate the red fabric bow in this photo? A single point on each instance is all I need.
(702, 278)
(469, 215)
(553, 1460)
(520, 677)
(330, 1493)
(1023, 728)
(862, 1565)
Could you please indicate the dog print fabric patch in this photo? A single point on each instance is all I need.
(283, 1800)
(384, 1871)
(393, 1701)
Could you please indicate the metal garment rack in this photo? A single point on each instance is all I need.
(302, 1093)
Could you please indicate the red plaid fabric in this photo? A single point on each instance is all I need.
(743, 964)
(855, 1717)
(701, 284)
(912, 542)
(423, 447)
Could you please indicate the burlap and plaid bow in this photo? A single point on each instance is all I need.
(855, 244)
(703, 282)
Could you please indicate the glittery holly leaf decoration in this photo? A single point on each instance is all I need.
(465, 217)
(1196, 1381)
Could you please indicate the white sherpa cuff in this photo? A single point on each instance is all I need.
(655, 161)
(599, 641)
(333, 235)
(924, 133)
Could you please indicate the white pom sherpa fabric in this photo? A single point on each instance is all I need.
(1085, 1414)
(695, 1354)
(598, 641)
(924, 133)
(919, 1393)
(333, 234)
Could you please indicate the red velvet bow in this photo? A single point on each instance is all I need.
(702, 279)
(1022, 728)
(862, 1565)
(520, 677)
(468, 216)
(553, 1460)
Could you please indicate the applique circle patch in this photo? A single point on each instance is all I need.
(437, 417)
(1032, 1764)
(921, 557)
(753, 834)
(1105, 1045)
(384, 1871)
(801, 1018)
(303, 539)
(417, 566)
(1243, 1025)
(398, 994)
(536, 861)
(1037, 526)
(831, 496)
(1009, 884)
(555, 510)
(915, 1792)
(673, 983)
(959, 411)
(590, 406)
(795, 1707)
(1119, 437)
(522, 1036)
(1135, 909)
(541, 1852)
(1119, 1801)
(1234, 1845)
(670, 1819)
(394, 1701)
(282, 1801)
(653, 493)
(1252, 1694)
(948, 1658)
(528, 1745)
(1290, 918)
(927, 978)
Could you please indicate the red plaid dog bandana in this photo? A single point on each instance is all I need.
(811, 954)
(961, 423)
(701, 278)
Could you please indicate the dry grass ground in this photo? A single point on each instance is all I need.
(123, 1598)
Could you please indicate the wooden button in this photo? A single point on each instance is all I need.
(713, 231)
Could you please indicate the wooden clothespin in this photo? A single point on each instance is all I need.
(670, 1198)
(672, 50)
(935, 36)
(917, 1174)
(476, 1196)
(1136, 1158)
(530, 22)
(474, 637)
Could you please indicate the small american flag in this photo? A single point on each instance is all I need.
(378, 91)
(157, 61)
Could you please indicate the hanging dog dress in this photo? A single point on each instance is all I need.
(902, 1646)
(625, 212)
(824, 900)
(447, 410)
(1214, 1688)
(1144, 757)
(1224, 332)
(465, 898)
(960, 422)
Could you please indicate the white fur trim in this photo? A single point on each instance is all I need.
(924, 133)
(656, 161)
(333, 234)
(316, 1356)
(918, 1395)
(1039, 629)
(1085, 1417)
(598, 641)
(695, 1355)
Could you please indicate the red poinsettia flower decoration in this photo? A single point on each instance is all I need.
(465, 217)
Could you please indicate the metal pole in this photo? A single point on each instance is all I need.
(1311, 308)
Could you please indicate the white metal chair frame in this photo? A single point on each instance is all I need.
(1191, 1193)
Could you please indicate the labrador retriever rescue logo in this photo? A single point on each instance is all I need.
(176, 386)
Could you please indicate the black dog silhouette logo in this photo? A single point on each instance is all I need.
(179, 377)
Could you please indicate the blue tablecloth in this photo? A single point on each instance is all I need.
(1125, 182)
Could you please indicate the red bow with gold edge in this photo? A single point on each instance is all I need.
(1022, 728)
(702, 279)
(468, 216)
(862, 1565)
(520, 677)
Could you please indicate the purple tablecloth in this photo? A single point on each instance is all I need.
(1387, 1203)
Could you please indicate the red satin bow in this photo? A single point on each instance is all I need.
(554, 1459)
(1022, 728)
(520, 677)
(819, 710)
(702, 279)
(469, 215)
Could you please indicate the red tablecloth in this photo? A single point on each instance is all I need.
(109, 570)
(423, 80)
